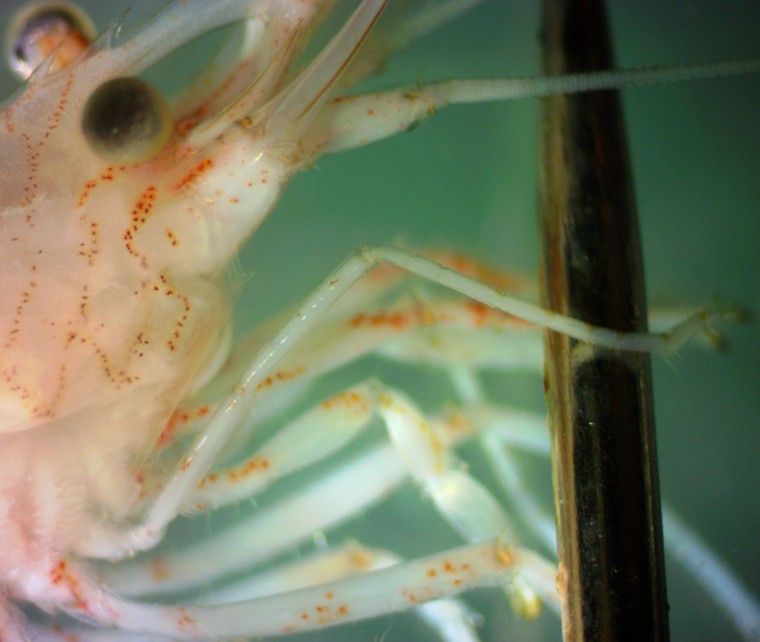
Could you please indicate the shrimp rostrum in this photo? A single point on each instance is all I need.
(126, 399)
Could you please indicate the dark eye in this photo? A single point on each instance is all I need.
(39, 29)
(127, 121)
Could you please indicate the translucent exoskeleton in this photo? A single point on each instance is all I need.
(82, 462)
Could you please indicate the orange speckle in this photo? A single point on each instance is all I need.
(479, 312)
(496, 278)
(431, 572)
(338, 100)
(395, 320)
(61, 575)
(361, 560)
(255, 464)
(280, 375)
(194, 173)
(349, 399)
(329, 595)
(84, 195)
(185, 125)
(139, 215)
(167, 434)
(343, 609)
(159, 569)
(185, 620)
(505, 556)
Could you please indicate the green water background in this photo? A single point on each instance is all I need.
(468, 179)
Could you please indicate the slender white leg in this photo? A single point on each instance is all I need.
(348, 489)
(439, 332)
(532, 514)
(459, 330)
(422, 443)
(495, 445)
(461, 499)
(315, 435)
(354, 598)
(117, 543)
(450, 618)
(330, 425)
(538, 316)
(712, 574)
(336, 495)
(330, 564)
(730, 594)
(77, 633)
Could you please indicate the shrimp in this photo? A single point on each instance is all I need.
(124, 404)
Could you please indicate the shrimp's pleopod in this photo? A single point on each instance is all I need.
(126, 121)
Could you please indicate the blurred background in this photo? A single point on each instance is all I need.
(467, 179)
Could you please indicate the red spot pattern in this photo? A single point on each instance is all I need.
(396, 320)
(179, 417)
(279, 376)
(60, 575)
(195, 172)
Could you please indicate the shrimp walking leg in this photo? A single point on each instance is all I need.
(358, 484)
(712, 575)
(708, 571)
(489, 563)
(451, 619)
(326, 428)
(207, 446)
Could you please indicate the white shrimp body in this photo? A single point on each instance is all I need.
(114, 298)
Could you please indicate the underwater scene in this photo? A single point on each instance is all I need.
(467, 180)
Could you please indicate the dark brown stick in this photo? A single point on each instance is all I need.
(604, 461)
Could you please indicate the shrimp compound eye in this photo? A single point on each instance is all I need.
(41, 29)
(127, 121)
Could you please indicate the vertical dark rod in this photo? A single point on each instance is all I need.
(607, 501)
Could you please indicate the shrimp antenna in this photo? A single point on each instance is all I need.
(465, 91)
